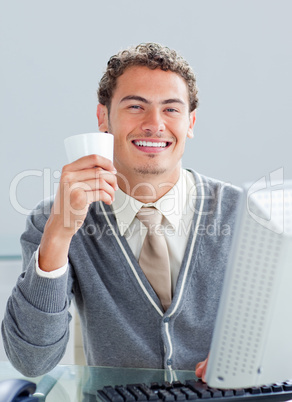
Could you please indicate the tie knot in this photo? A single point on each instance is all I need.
(149, 216)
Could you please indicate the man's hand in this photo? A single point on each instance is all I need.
(89, 179)
(201, 369)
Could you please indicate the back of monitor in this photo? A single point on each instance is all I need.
(252, 340)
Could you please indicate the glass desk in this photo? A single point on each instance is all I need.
(79, 384)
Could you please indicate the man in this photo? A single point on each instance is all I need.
(88, 247)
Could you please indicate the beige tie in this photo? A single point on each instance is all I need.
(154, 257)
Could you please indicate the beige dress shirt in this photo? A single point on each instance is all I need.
(177, 209)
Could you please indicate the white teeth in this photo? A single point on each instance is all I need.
(150, 144)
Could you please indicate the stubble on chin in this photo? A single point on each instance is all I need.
(147, 171)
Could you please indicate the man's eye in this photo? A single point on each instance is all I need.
(134, 107)
(171, 109)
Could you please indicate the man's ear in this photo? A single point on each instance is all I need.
(102, 117)
(192, 123)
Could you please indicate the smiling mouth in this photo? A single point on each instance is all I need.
(152, 144)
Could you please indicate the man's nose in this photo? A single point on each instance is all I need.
(153, 122)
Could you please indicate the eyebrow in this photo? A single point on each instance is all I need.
(144, 100)
(173, 100)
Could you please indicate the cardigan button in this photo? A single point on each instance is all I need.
(166, 319)
(169, 362)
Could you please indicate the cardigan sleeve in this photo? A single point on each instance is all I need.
(35, 328)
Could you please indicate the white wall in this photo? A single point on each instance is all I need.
(53, 54)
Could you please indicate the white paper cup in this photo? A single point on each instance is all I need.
(81, 145)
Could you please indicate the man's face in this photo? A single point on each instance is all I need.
(150, 120)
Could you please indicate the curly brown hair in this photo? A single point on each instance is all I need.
(152, 55)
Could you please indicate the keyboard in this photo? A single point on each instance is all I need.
(192, 390)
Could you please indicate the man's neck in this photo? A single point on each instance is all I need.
(149, 188)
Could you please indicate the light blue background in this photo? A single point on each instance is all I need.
(53, 54)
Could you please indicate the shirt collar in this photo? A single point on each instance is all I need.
(171, 205)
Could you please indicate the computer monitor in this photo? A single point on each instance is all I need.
(252, 339)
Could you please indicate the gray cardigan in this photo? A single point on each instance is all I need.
(122, 320)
